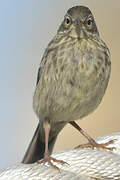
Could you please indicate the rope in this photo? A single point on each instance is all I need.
(84, 164)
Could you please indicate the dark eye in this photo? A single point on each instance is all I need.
(67, 20)
(89, 22)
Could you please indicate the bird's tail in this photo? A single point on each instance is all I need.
(36, 148)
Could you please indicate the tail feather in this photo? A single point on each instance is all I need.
(36, 148)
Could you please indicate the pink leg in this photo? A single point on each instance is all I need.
(92, 143)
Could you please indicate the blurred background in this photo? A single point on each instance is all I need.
(26, 27)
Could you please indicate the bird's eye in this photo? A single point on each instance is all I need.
(67, 20)
(89, 22)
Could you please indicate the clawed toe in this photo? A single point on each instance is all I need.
(43, 161)
(59, 161)
(92, 144)
(49, 161)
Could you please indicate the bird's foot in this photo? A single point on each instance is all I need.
(93, 144)
(47, 158)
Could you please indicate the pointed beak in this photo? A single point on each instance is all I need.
(79, 29)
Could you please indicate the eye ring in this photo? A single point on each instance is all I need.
(67, 21)
(89, 22)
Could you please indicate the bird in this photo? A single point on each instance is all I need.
(72, 79)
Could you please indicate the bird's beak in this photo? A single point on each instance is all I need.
(80, 33)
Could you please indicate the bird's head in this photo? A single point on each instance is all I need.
(78, 23)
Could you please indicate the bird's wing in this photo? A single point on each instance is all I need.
(54, 43)
(50, 47)
(39, 75)
(42, 65)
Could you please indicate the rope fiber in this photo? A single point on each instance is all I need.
(84, 164)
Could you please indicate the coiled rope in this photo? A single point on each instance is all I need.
(84, 164)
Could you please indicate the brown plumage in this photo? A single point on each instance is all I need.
(72, 79)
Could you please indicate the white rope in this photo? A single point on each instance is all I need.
(84, 164)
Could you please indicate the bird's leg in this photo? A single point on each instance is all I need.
(91, 142)
(47, 158)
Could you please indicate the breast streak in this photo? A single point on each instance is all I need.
(73, 83)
